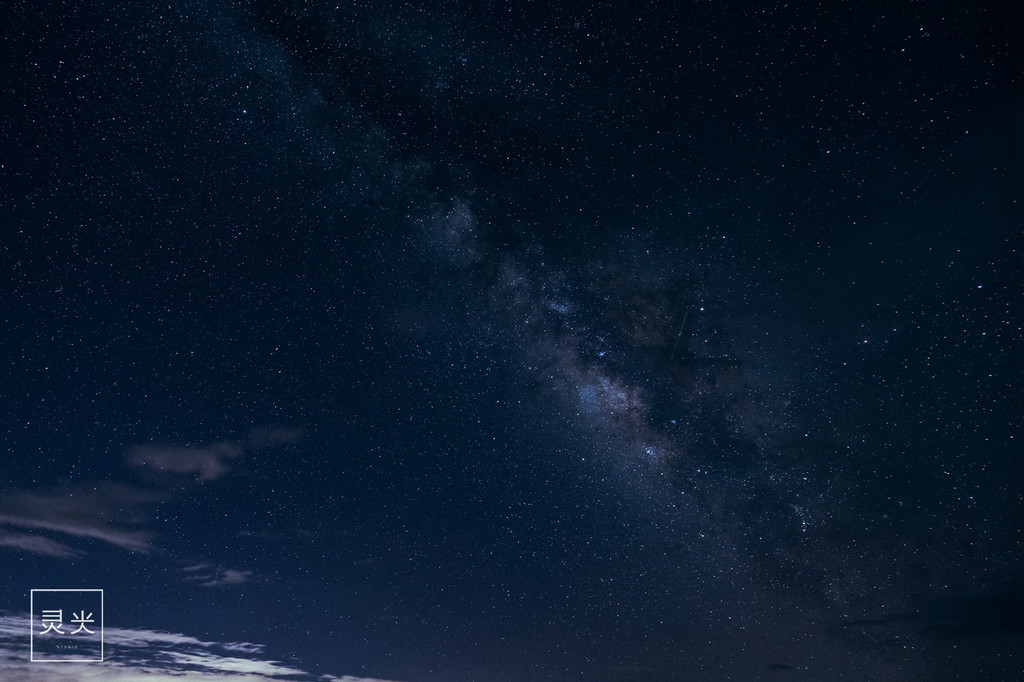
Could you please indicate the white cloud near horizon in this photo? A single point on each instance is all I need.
(151, 656)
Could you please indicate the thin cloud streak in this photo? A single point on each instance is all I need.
(97, 513)
(37, 544)
(210, 576)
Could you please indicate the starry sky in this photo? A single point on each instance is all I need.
(505, 341)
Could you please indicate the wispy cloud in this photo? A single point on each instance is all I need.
(104, 512)
(36, 544)
(208, 461)
(139, 654)
(207, 575)
(48, 522)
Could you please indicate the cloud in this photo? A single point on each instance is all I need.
(212, 576)
(230, 576)
(36, 544)
(209, 461)
(139, 654)
(113, 513)
(104, 512)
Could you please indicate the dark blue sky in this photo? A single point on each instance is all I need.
(502, 341)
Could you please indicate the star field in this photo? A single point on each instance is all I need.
(497, 341)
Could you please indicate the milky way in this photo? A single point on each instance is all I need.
(510, 342)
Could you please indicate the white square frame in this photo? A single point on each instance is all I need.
(32, 630)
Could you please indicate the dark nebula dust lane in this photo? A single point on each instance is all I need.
(498, 341)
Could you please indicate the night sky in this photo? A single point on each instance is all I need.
(500, 341)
